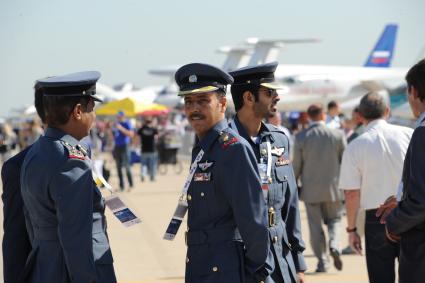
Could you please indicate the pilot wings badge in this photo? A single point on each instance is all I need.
(278, 151)
(204, 166)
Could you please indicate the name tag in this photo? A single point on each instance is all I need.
(121, 211)
(262, 169)
(202, 177)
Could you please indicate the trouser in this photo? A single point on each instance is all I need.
(121, 155)
(330, 213)
(150, 160)
(381, 253)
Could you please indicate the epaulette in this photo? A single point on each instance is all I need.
(275, 128)
(227, 139)
(75, 152)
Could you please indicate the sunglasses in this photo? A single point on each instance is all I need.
(269, 92)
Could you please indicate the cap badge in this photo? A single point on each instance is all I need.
(193, 79)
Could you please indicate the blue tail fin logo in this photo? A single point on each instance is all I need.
(382, 54)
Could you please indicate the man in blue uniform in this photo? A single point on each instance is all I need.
(255, 98)
(65, 208)
(227, 236)
(16, 244)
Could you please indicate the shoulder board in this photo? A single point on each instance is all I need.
(273, 128)
(227, 139)
(75, 152)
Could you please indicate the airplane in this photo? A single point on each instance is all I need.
(307, 84)
(257, 52)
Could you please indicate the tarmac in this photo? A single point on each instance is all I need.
(142, 256)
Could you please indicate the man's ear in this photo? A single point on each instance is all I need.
(223, 102)
(77, 112)
(248, 98)
(413, 91)
(387, 112)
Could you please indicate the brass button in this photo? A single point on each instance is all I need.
(189, 197)
(202, 194)
(263, 151)
(215, 268)
(275, 239)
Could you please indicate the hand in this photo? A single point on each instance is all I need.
(392, 237)
(385, 209)
(355, 242)
(301, 277)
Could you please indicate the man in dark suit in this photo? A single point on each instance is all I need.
(406, 222)
(16, 243)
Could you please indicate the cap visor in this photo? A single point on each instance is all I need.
(96, 98)
(198, 90)
(273, 85)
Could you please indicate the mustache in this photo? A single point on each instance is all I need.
(196, 116)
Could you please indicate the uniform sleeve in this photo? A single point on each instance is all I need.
(16, 242)
(350, 177)
(72, 188)
(241, 186)
(343, 145)
(411, 210)
(293, 228)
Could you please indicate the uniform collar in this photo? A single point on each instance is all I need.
(317, 123)
(375, 123)
(61, 135)
(265, 130)
(420, 120)
(206, 142)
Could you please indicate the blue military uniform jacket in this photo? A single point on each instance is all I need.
(225, 206)
(66, 212)
(16, 241)
(408, 218)
(282, 201)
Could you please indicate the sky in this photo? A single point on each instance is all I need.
(125, 39)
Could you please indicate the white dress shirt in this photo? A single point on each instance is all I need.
(373, 162)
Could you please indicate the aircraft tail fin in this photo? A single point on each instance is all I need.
(268, 50)
(235, 56)
(382, 54)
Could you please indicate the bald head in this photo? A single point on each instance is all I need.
(373, 106)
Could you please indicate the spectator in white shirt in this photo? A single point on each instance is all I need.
(370, 171)
(333, 120)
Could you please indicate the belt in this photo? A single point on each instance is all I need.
(275, 216)
(199, 237)
(51, 233)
